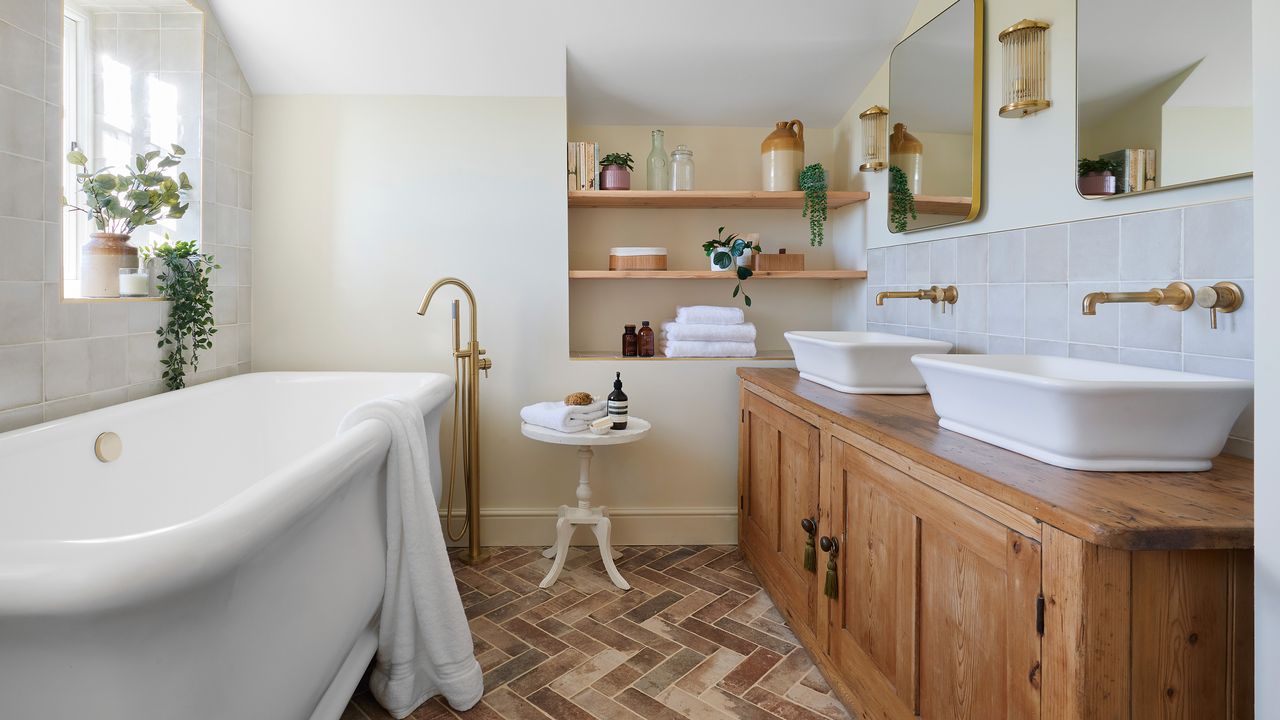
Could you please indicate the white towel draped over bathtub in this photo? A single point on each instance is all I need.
(424, 642)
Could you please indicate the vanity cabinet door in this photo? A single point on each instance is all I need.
(779, 491)
(936, 599)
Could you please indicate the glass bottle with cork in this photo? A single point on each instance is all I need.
(630, 341)
(647, 341)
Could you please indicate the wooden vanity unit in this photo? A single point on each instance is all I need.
(977, 583)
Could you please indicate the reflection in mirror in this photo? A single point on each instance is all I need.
(131, 83)
(935, 122)
(1177, 112)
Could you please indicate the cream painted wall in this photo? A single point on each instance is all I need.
(1205, 142)
(1135, 125)
(1029, 163)
(1266, 156)
(474, 187)
(948, 163)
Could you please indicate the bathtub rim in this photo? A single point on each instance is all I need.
(52, 577)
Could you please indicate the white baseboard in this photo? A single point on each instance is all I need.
(631, 526)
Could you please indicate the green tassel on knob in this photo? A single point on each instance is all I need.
(832, 587)
(810, 556)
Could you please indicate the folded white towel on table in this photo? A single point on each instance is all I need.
(709, 315)
(562, 417)
(742, 332)
(424, 642)
(698, 348)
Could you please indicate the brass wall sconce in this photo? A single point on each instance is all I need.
(874, 123)
(1025, 68)
(946, 295)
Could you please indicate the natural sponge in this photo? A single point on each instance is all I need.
(578, 398)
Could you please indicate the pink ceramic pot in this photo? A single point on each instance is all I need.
(615, 177)
(1096, 184)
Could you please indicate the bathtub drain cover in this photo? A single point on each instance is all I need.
(107, 447)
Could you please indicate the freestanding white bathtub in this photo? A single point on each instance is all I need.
(229, 564)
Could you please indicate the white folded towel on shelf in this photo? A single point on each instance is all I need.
(709, 315)
(562, 417)
(742, 332)
(697, 348)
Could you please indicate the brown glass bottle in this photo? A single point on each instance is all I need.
(647, 343)
(630, 341)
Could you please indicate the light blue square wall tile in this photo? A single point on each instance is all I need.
(943, 335)
(1151, 246)
(971, 309)
(1149, 327)
(941, 315)
(916, 312)
(1046, 347)
(1151, 358)
(875, 266)
(1094, 250)
(917, 267)
(1006, 256)
(1218, 240)
(1047, 311)
(1047, 254)
(1100, 353)
(942, 262)
(971, 343)
(1234, 336)
(895, 265)
(1220, 366)
(971, 259)
(1006, 309)
(1003, 345)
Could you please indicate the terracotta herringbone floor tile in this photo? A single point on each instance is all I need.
(694, 638)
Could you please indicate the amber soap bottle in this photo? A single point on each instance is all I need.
(630, 341)
(647, 343)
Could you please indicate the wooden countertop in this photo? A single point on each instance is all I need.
(1129, 511)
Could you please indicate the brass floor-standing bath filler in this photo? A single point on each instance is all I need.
(467, 364)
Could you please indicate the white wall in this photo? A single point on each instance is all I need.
(1028, 164)
(364, 201)
(1266, 153)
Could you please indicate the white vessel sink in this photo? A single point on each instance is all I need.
(861, 362)
(1086, 415)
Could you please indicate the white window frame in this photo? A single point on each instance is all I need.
(77, 99)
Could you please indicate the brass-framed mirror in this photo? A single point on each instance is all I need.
(1164, 94)
(935, 121)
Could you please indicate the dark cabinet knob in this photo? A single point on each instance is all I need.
(810, 526)
(829, 545)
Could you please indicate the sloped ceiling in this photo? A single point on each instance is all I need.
(698, 62)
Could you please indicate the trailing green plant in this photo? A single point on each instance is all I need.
(143, 194)
(813, 181)
(724, 252)
(902, 202)
(1100, 165)
(183, 280)
(622, 160)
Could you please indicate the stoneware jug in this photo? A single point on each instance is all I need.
(782, 156)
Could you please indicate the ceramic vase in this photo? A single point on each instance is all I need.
(782, 157)
(615, 177)
(1097, 184)
(100, 262)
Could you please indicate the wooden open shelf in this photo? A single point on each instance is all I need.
(770, 355)
(690, 199)
(716, 275)
(943, 205)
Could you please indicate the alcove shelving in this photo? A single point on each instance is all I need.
(706, 199)
(716, 275)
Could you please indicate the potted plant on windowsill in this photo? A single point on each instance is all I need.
(184, 277)
(1097, 177)
(120, 203)
(615, 171)
(726, 252)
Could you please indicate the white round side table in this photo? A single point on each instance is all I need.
(583, 514)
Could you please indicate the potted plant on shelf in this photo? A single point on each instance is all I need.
(813, 181)
(184, 281)
(615, 171)
(902, 202)
(728, 251)
(1097, 177)
(119, 204)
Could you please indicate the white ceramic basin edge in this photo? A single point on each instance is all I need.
(868, 363)
(1086, 415)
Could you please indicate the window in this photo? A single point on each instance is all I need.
(76, 106)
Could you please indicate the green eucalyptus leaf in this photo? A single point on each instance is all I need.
(177, 150)
(75, 157)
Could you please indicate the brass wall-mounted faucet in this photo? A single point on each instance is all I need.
(1177, 295)
(945, 295)
(1220, 297)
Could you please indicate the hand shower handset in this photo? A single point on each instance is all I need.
(468, 361)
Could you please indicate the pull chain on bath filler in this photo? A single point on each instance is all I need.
(468, 361)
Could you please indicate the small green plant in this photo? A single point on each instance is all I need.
(724, 252)
(622, 160)
(1099, 166)
(184, 282)
(902, 202)
(813, 181)
(123, 202)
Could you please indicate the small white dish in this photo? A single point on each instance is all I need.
(601, 426)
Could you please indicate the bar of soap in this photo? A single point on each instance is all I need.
(578, 398)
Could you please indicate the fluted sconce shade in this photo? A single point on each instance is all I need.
(874, 152)
(1025, 68)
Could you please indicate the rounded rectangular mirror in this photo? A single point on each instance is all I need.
(1163, 94)
(935, 121)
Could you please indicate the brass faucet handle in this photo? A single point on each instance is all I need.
(1224, 296)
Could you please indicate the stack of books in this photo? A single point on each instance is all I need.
(584, 165)
(1137, 169)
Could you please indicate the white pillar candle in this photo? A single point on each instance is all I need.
(133, 283)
